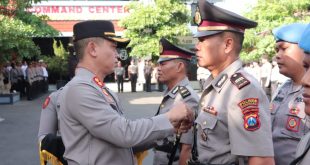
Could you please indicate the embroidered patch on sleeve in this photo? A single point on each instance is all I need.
(251, 119)
(293, 123)
(249, 102)
(46, 102)
(239, 80)
(250, 111)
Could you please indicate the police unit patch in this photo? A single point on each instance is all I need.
(239, 80)
(184, 92)
(251, 120)
(46, 102)
(248, 102)
(293, 123)
(250, 111)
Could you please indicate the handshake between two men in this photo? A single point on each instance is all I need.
(181, 117)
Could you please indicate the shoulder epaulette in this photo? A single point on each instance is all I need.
(184, 92)
(239, 80)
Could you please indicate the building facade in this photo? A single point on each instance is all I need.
(62, 15)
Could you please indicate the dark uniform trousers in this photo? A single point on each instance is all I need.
(120, 83)
(133, 80)
(148, 78)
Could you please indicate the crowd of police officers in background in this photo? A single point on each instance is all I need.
(235, 123)
(28, 78)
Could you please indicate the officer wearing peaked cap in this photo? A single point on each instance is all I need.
(302, 156)
(233, 125)
(92, 125)
(289, 121)
(172, 71)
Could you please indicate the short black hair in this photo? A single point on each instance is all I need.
(185, 62)
(79, 46)
(238, 38)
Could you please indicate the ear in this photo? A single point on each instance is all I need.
(180, 65)
(229, 45)
(91, 49)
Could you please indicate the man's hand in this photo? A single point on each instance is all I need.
(180, 117)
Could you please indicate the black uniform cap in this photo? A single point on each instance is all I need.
(169, 51)
(98, 28)
(212, 20)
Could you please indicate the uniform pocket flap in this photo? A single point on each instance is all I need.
(206, 120)
(291, 134)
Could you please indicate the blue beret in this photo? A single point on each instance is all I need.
(289, 33)
(304, 42)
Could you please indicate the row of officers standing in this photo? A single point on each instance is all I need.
(234, 122)
(133, 72)
(29, 80)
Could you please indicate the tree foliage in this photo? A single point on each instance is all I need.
(148, 23)
(17, 27)
(271, 14)
(59, 62)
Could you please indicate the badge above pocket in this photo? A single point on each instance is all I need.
(206, 120)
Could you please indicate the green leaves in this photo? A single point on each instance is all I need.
(147, 24)
(16, 32)
(16, 38)
(271, 14)
(58, 63)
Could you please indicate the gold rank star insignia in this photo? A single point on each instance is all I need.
(197, 18)
(98, 82)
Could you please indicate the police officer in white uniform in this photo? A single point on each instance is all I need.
(172, 71)
(92, 125)
(233, 126)
(289, 121)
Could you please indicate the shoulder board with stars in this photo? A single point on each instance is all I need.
(239, 80)
(184, 92)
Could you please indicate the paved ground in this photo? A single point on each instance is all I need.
(19, 124)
